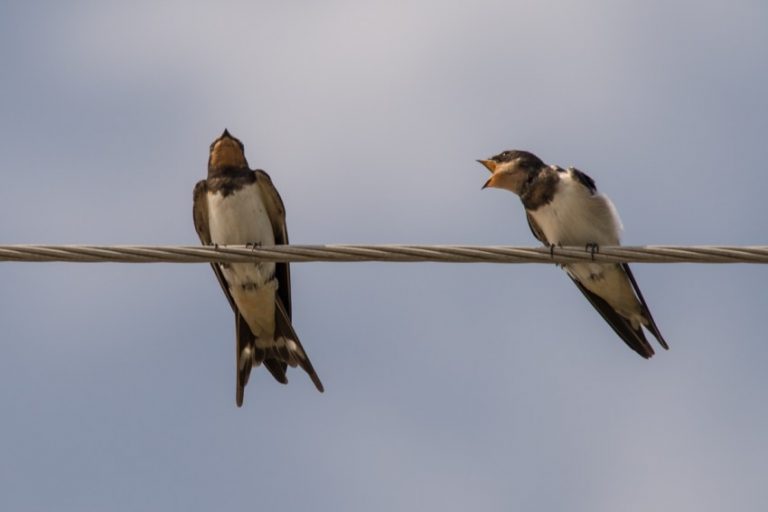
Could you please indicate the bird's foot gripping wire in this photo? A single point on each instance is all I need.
(253, 245)
(592, 248)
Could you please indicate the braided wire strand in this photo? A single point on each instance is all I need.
(382, 253)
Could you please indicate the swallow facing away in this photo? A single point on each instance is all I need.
(564, 208)
(238, 206)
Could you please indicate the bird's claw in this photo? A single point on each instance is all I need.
(592, 248)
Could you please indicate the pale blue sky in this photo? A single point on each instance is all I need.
(448, 387)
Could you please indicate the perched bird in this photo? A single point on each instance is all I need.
(238, 206)
(564, 208)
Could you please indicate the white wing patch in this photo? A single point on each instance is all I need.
(290, 351)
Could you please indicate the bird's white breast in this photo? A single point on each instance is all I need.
(241, 218)
(577, 217)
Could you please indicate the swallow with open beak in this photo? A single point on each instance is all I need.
(239, 206)
(564, 208)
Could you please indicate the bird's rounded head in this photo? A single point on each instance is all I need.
(227, 152)
(511, 169)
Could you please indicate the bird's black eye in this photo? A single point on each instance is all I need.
(502, 157)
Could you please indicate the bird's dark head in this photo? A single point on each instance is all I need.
(512, 169)
(227, 152)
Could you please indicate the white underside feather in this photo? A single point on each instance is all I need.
(576, 217)
(238, 219)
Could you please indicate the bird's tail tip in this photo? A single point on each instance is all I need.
(283, 352)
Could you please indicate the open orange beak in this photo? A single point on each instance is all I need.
(491, 166)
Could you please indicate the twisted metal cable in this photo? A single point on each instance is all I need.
(382, 253)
